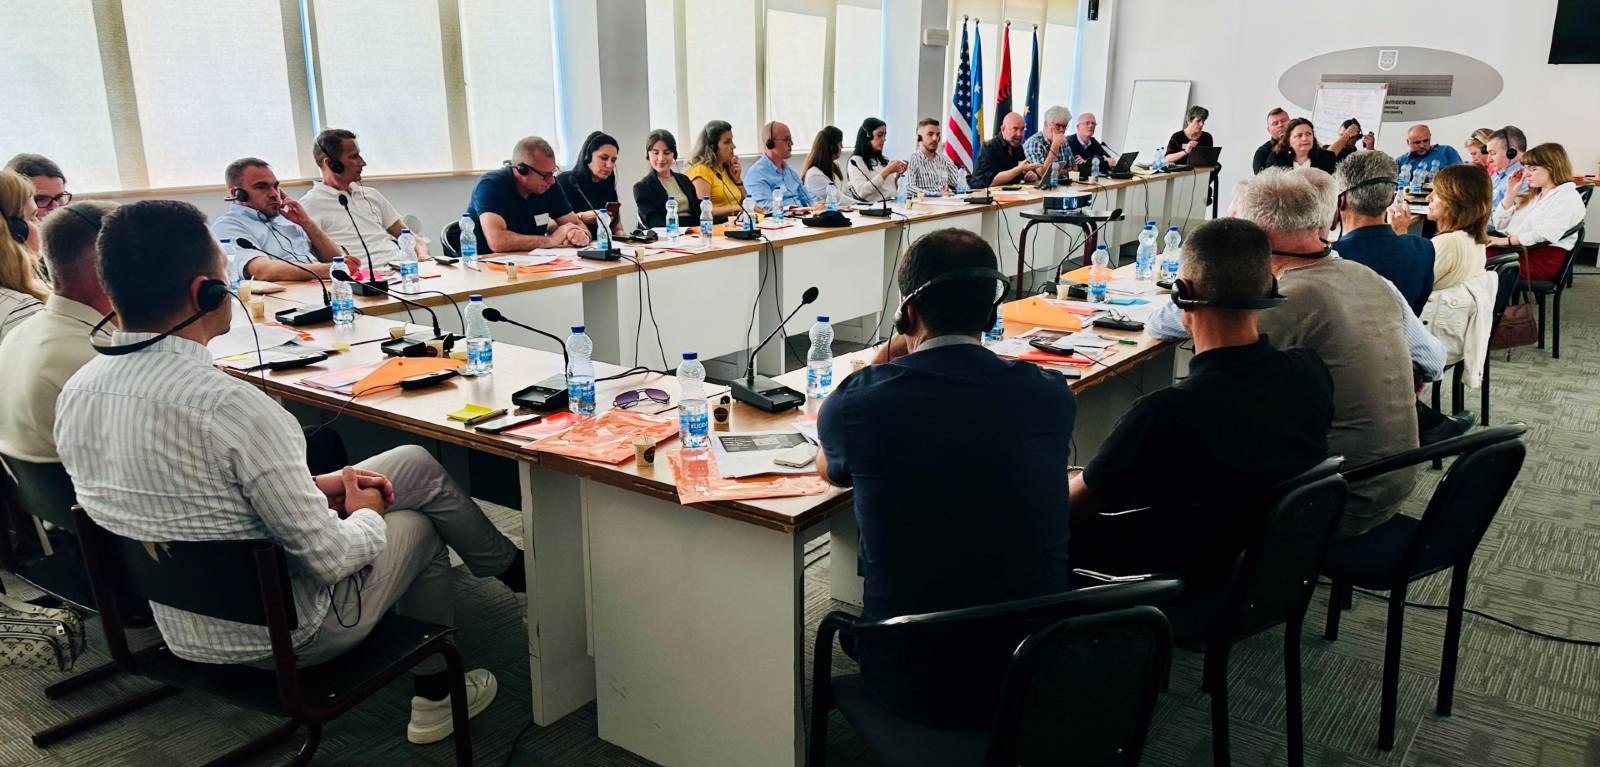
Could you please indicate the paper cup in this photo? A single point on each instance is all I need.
(397, 333)
(644, 451)
(258, 308)
(244, 291)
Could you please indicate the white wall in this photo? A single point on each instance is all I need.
(1236, 50)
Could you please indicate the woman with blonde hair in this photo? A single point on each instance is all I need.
(22, 289)
(1544, 218)
(1478, 149)
(714, 169)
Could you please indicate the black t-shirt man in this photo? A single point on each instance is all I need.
(998, 156)
(1246, 419)
(536, 214)
(1263, 156)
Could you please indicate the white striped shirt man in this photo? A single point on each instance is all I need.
(932, 175)
(164, 446)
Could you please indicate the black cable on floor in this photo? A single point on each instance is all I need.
(512, 754)
(1485, 616)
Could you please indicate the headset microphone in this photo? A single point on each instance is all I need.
(18, 229)
(1184, 297)
(211, 295)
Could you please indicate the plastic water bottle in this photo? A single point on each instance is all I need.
(1144, 264)
(998, 331)
(230, 252)
(694, 411)
(1159, 159)
(902, 190)
(1094, 167)
(819, 360)
(672, 218)
(602, 230)
(961, 184)
(833, 197)
(469, 242)
(1099, 274)
(341, 296)
(1433, 170)
(1169, 256)
(708, 222)
(480, 346)
(777, 203)
(580, 373)
(406, 262)
(1418, 176)
(1052, 182)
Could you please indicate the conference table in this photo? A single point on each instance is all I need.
(703, 299)
(685, 623)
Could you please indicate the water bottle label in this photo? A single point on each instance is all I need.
(469, 251)
(819, 380)
(480, 355)
(580, 396)
(694, 423)
(1097, 292)
(408, 268)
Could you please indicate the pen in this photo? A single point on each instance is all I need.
(1128, 341)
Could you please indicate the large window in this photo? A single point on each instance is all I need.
(807, 63)
(152, 94)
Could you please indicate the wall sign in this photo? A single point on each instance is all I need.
(1424, 83)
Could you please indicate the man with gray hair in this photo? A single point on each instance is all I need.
(1365, 181)
(1355, 320)
(519, 207)
(1049, 147)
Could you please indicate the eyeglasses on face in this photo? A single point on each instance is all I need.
(46, 202)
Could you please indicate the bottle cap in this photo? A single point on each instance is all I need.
(577, 328)
(687, 356)
(822, 318)
(475, 297)
(1100, 247)
(403, 230)
(1172, 228)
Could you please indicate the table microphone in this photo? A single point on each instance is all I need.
(299, 315)
(594, 254)
(762, 392)
(882, 212)
(407, 346)
(549, 394)
(732, 233)
(372, 266)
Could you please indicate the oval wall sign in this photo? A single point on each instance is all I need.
(1424, 83)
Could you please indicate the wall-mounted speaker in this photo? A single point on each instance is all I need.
(1094, 10)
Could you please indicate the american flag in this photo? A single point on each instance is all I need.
(959, 143)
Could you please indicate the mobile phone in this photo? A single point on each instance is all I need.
(1107, 322)
(505, 422)
(797, 457)
(1047, 346)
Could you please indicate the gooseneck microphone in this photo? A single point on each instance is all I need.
(300, 315)
(408, 347)
(764, 393)
(744, 214)
(549, 394)
(882, 212)
(593, 253)
(372, 266)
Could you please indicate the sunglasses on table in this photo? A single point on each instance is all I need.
(634, 397)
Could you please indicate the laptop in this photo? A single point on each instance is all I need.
(1124, 167)
(1202, 156)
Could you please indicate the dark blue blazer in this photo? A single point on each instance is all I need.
(1405, 260)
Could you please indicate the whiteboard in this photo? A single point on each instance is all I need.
(1337, 102)
(1154, 114)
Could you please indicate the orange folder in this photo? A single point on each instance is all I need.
(389, 373)
(1035, 310)
(1080, 275)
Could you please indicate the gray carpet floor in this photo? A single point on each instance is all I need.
(1520, 701)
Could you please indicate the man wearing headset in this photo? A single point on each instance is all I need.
(1261, 413)
(520, 207)
(162, 445)
(274, 223)
(43, 351)
(1373, 344)
(1505, 149)
(772, 171)
(1365, 181)
(366, 223)
(914, 436)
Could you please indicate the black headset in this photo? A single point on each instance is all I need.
(902, 323)
(1338, 220)
(240, 195)
(1185, 297)
(521, 168)
(771, 142)
(334, 163)
(18, 229)
(211, 295)
(1511, 151)
(92, 217)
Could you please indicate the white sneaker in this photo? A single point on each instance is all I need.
(430, 719)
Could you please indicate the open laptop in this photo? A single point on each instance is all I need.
(1202, 156)
(1124, 167)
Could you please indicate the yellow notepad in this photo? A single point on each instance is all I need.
(470, 412)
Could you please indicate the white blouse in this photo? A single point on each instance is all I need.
(866, 186)
(817, 185)
(1545, 219)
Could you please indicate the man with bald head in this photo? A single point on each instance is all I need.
(519, 207)
(1085, 147)
(1424, 153)
(773, 171)
(1003, 160)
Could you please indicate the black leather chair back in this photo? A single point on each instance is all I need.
(1277, 573)
(1464, 505)
(450, 236)
(43, 490)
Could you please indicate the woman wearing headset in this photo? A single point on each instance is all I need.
(592, 185)
(715, 170)
(22, 290)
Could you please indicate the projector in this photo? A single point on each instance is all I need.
(1067, 202)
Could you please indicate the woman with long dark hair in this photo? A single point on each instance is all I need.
(870, 177)
(822, 162)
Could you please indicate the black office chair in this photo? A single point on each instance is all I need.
(1270, 584)
(1554, 288)
(450, 238)
(248, 582)
(1074, 674)
(1507, 270)
(1404, 549)
(43, 491)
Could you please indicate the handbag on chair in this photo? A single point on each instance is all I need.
(1519, 326)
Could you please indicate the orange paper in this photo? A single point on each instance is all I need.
(699, 482)
(1077, 275)
(608, 437)
(1036, 355)
(1035, 310)
(389, 373)
(561, 264)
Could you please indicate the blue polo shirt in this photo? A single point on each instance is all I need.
(1405, 260)
(1498, 179)
(763, 178)
(1443, 154)
(533, 215)
(277, 235)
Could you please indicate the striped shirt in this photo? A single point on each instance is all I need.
(16, 306)
(163, 446)
(933, 175)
